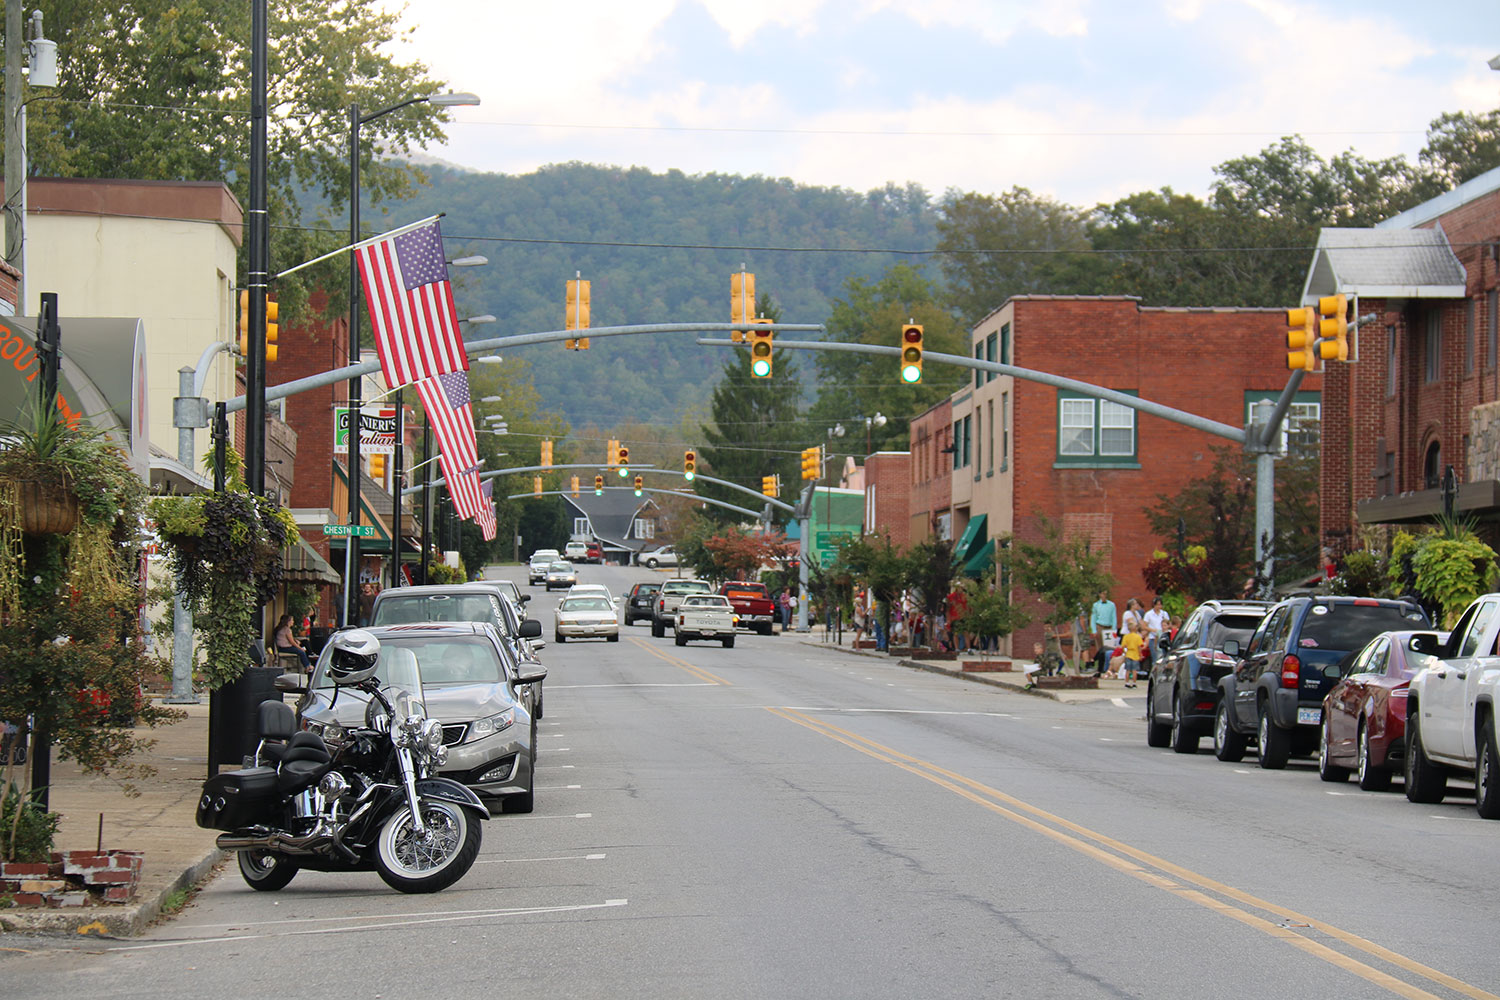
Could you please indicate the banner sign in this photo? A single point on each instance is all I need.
(377, 430)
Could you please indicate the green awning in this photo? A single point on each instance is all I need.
(981, 562)
(974, 535)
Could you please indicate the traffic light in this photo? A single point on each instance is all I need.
(768, 486)
(911, 353)
(612, 453)
(1333, 327)
(536, 485)
(377, 467)
(575, 486)
(638, 485)
(690, 465)
(272, 313)
(741, 302)
(244, 324)
(546, 454)
(622, 459)
(598, 486)
(760, 349)
(812, 462)
(577, 313)
(1301, 335)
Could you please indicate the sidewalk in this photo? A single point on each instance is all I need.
(161, 821)
(1015, 679)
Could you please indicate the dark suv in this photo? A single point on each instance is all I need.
(1274, 696)
(1182, 687)
(638, 602)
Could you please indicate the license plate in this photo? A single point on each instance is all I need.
(1309, 716)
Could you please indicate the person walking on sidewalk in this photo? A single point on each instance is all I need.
(1102, 619)
(1156, 621)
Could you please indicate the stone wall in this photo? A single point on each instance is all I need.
(1484, 443)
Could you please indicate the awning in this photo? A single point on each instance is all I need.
(1480, 500)
(973, 536)
(301, 563)
(982, 561)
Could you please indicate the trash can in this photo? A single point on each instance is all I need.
(232, 712)
(317, 638)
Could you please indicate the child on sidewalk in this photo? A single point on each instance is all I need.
(1134, 644)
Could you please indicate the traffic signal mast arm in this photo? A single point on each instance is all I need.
(491, 474)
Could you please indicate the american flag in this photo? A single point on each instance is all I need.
(446, 400)
(486, 519)
(405, 278)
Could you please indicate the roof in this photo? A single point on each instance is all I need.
(1384, 263)
(612, 516)
(1433, 208)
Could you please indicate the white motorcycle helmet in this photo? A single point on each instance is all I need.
(355, 654)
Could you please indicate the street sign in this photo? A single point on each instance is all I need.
(345, 530)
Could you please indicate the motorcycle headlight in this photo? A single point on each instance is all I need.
(440, 756)
(492, 724)
(432, 734)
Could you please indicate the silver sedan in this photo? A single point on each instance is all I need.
(587, 616)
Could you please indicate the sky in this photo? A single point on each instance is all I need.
(1081, 100)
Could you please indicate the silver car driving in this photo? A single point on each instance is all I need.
(586, 616)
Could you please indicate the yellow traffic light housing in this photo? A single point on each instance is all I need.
(741, 302)
(273, 311)
(598, 486)
(911, 353)
(612, 453)
(812, 462)
(1333, 327)
(689, 465)
(768, 485)
(1301, 338)
(577, 313)
(536, 485)
(377, 467)
(575, 486)
(760, 349)
(546, 462)
(622, 459)
(244, 324)
(638, 482)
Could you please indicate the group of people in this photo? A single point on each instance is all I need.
(910, 625)
(1141, 634)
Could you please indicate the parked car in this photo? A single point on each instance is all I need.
(1182, 686)
(595, 553)
(586, 616)
(1450, 712)
(663, 555)
(705, 616)
(752, 602)
(507, 587)
(638, 602)
(664, 615)
(1364, 715)
(576, 552)
(560, 574)
(469, 684)
(1274, 696)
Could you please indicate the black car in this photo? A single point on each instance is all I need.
(639, 600)
(1182, 687)
(1274, 696)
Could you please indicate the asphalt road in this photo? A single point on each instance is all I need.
(780, 820)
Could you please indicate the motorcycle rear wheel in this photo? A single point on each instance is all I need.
(408, 862)
(266, 871)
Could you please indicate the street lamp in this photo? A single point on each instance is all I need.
(351, 550)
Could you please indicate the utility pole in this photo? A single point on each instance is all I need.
(15, 153)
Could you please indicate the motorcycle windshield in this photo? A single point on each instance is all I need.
(400, 676)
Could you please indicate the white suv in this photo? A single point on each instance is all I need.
(576, 552)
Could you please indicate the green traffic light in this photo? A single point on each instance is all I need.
(911, 373)
(624, 472)
(689, 476)
(760, 368)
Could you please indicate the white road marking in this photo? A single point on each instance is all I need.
(1119, 702)
(1106, 739)
(517, 861)
(1240, 770)
(1327, 792)
(688, 684)
(555, 788)
(555, 736)
(895, 711)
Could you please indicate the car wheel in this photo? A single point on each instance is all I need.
(1425, 781)
(729, 642)
(657, 629)
(679, 638)
(650, 563)
(1157, 735)
(1229, 746)
(763, 629)
(1371, 778)
(558, 637)
(1184, 740)
(522, 802)
(1274, 744)
(1487, 773)
(1327, 769)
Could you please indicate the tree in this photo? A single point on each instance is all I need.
(1216, 512)
(1064, 574)
(988, 614)
(1460, 146)
(159, 90)
(881, 568)
(930, 573)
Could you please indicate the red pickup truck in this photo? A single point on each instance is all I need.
(752, 602)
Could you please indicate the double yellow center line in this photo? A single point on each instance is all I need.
(1160, 873)
(680, 663)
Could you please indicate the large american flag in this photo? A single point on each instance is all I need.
(486, 519)
(405, 278)
(449, 414)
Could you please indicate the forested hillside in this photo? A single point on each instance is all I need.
(539, 229)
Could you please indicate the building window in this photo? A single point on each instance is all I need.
(978, 356)
(1469, 333)
(965, 440)
(1492, 325)
(580, 527)
(1434, 367)
(1005, 344)
(1390, 361)
(990, 345)
(1301, 429)
(990, 408)
(1094, 431)
(1004, 431)
(978, 441)
(644, 528)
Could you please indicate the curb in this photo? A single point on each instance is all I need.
(934, 668)
(130, 920)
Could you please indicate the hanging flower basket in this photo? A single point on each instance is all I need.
(46, 509)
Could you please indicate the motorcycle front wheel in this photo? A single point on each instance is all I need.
(434, 860)
(265, 871)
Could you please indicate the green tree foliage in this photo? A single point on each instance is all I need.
(930, 573)
(1061, 573)
(881, 567)
(159, 90)
(1452, 567)
(988, 615)
(1460, 146)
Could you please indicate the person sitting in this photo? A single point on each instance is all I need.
(286, 642)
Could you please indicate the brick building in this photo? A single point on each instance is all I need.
(1421, 395)
(1021, 451)
(887, 485)
(930, 504)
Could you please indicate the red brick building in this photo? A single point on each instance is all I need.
(887, 483)
(930, 505)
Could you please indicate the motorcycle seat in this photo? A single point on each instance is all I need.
(305, 760)
(276, 723)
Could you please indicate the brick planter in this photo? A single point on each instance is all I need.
(73, 878)
(864, 643)
(1069, 681)
(986, 666)
(935, 654)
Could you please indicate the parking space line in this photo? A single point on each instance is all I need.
(518, 861)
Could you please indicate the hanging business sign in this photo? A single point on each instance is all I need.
(377, 430)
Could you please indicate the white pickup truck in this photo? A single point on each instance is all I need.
(705, 616)
(1450, 712)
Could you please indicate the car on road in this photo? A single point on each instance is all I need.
(469, 684)
(1364, 715)
(560, 574)
(597, 589)
(752, 602)
(705, 616)
(586, 616)
(1450, 712)
(663, 555)
(595, 553)
(1182, 686)
(639, 600)
(576, 552)
(1274, 695)
(541, 559)
(664, 615)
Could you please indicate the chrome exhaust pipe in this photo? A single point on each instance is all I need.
(271, 840)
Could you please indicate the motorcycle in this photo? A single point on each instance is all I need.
(372, 801)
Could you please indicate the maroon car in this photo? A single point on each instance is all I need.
(1364, 715)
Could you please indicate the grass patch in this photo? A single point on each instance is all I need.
(175, 901)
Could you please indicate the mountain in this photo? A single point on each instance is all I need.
(646, 243)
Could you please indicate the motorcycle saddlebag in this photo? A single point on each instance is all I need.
(235, 799)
